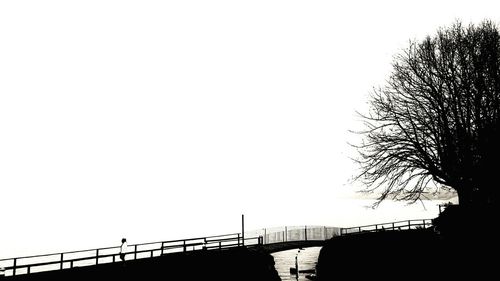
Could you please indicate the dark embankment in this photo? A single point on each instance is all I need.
(410, 254)
(232, 264)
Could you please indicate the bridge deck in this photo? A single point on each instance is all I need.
(283, 246)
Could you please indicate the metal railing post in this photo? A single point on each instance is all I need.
(238, 239)
(243, 230)
(135, 252)
(97, 256)
(305, 232)
(14, 267)
(409, 225)
(184, 245)
(62, 260)
(162, 246)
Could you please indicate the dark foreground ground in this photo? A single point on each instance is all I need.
(232, 264)
(471, 254)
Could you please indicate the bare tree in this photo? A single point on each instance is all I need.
(437, 119)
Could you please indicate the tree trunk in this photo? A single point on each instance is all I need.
(465, 196)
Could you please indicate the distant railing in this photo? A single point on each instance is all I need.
(399, 225)
(296, 233)
(59, 261)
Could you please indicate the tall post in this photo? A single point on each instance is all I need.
(97, 256)
(14, 267)
(305, 232)
(62, 260)
(243, 230)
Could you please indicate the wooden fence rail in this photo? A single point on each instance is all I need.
(59, 261)
(399, 225)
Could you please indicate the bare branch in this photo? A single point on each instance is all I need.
(437, 118)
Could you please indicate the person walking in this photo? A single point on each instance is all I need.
(123, 249)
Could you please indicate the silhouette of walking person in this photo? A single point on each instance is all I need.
(296, 267)
(123, 249)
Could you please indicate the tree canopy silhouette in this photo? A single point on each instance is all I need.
(437, 119)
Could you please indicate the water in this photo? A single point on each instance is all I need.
(307, 259)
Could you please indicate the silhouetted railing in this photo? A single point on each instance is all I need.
(59, 261)
(296, 233)
(399, 225)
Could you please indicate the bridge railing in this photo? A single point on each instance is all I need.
(59, 261)
(398, 225)
(295, 233)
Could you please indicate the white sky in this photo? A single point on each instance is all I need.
(158, 120)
